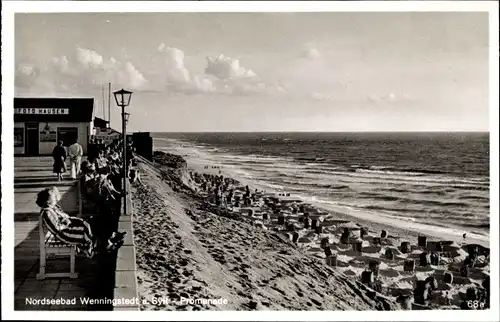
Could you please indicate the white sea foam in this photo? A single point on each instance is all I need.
(257, 171)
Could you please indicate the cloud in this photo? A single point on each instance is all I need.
(88, 58)
(174, 63)
(61, 63)
(225, 68)
(321, 96)
(84, 70)
(128, 75)
(311, 53)
(222, 75)
(389, 98)
(238, 80)
(26, 74)
(178, 77)
(161, 47)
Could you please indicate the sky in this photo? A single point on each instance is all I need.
(398, 71)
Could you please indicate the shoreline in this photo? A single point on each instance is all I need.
(410, 233)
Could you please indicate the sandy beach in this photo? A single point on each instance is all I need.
(410, 231)
(184, 252)
(189, 248)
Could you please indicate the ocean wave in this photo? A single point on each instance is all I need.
(417, 213)
(413, 171)
(479, 198)
(323, 170)
(324, 166)
(384, 208)
(409, 176)
(439, 192)
(424, 202)
(482, 226)
(309, 159)
(384, 178)
(317, 185)
(390, 172)
(377, 196)
(471, 187)
(423, 184)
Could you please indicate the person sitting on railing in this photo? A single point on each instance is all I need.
(87, 180)
(114, 156)
(101, 163)
(72, 230)
(98, 187)
(115, 171)
(130, 153)
(100, 145)
(106, 189)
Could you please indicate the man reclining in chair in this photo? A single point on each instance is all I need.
(72, 230)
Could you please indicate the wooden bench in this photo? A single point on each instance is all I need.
(50, 245)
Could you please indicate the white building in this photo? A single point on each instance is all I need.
(39, 123)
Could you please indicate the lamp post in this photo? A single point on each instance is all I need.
(122, 98)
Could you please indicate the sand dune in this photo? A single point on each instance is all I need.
(185, 251)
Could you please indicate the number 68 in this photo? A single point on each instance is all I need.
(475, 304)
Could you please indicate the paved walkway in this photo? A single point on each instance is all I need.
(32, 174)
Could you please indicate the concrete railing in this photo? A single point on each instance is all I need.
(126, 271)
(125, 286)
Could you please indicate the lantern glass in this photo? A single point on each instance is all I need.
(122, 97)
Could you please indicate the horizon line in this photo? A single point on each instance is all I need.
(461, 131)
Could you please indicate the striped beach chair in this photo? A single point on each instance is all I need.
(50, 245)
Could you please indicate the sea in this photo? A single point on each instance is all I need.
(430, 180)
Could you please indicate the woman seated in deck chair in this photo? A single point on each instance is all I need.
(72, 230)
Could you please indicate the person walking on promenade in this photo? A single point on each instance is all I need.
(59, 154)
(75, 154)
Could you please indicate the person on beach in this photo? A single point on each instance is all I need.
(72, 230)
(59, 155)
(75, 154)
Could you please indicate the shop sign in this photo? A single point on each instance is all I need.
(42, 111)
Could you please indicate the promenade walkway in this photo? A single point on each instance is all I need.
(32, 174)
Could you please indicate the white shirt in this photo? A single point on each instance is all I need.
(75, 150)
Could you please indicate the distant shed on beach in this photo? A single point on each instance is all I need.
(39, 123)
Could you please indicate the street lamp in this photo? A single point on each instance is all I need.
(122, 98)
(127, 115)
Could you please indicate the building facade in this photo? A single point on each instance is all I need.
(106, 135)
(39, 123)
